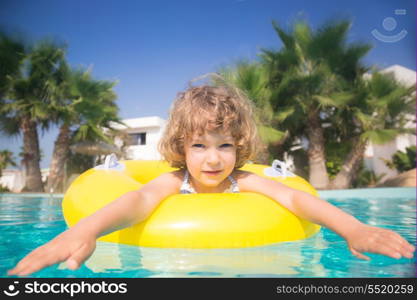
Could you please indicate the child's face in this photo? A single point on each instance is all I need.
(210, 158)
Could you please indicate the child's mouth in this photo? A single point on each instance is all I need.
(212, 173)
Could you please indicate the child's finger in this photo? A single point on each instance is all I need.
(401, 241)
(388, 249)
(24, 269)
(28, 269)
(36, 260)
(358, 254)
(411, 247)
(23, 264)
(397, 243)
(407, 246)
(35, 264)
(405, 249)
(78, 257)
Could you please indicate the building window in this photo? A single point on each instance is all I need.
(137, 139)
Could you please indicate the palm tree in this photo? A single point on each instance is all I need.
(12, 54)
(378, 113)
(25, 105)
(309, 76)
(6, 159)
(83, 107)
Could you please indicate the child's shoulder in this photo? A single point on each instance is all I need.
(242, 175)
(173, 179)
(166, 183)
(244, 178)
(251, 182)
(174, 176)
(179, 174)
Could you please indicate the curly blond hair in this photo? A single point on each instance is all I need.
(209, 108)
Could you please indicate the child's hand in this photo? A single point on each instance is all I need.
(365, 238)
(72, 246)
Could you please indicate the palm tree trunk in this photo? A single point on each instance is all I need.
(350, 166)
(318, 176)
(59, 157)
(31, 157)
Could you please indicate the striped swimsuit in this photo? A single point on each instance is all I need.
(186, 187)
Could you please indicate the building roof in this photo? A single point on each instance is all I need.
(402, 74)
(145, 122)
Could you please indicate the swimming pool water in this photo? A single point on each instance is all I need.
(28, 221)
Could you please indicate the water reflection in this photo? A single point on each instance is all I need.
(15, 210)
(280, 260)
(384, 212)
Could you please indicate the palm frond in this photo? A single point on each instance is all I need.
(270, 135)
(285, 37)
(284, 113)
(380, 136)
(335, 100)
(366, 121)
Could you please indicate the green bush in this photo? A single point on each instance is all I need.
(403, 161)
(335, 156)
(366, 178)
(4, 189)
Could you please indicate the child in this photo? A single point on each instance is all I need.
(209, 135)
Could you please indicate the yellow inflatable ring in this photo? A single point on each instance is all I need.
(192, 220)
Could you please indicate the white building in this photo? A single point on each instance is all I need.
(143, 137)
(375, 154)
(14, 180)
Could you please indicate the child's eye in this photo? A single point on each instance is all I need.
(226, 145)
(197, 146)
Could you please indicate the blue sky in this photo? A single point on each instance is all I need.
(153, 48)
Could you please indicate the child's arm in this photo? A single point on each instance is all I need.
(359, 236)
(76, 244)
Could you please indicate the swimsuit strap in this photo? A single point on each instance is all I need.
(186, 187)
(234, 187)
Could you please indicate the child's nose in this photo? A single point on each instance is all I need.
(212, 157)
